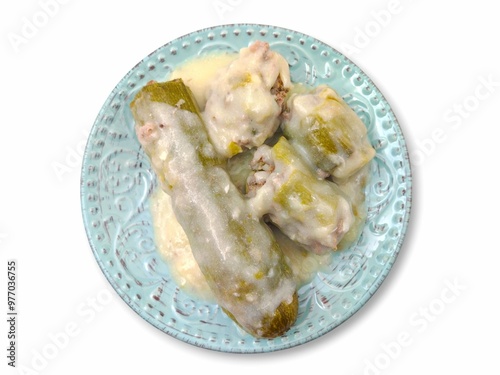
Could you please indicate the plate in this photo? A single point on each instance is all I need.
(117, 181)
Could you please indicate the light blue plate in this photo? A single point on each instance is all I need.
(117, 181)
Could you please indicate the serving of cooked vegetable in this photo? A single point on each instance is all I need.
(257, 169)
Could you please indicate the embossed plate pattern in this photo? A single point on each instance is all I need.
(117, 181)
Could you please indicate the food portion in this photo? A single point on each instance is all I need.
(245, 100)
(199, 73)
(236, 252)
(261, 180)
(327, 132)
(308, 210)
(174, 248)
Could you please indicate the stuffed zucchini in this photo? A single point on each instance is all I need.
(236, 251)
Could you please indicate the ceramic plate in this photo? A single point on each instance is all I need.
(117, 182)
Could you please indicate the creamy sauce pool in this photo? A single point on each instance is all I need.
(198, 73)
(171, 240)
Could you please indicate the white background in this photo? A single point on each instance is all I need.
(430, 59)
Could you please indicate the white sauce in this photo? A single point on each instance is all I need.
(171, 240)
(197, 74)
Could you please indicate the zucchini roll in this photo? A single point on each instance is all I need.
(327, 133)
(245, 101)
(236, 251)
(309, 210)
